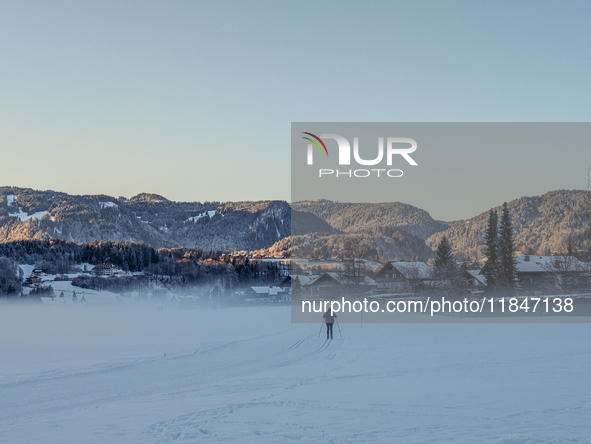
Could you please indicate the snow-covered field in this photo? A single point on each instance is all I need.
(134, 374)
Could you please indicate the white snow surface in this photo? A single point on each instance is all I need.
(91, 296)
(20, 214)
(195, 218)
(209, 214)
(27, 269)
(108, 204)
(134, 374)
(23, 216)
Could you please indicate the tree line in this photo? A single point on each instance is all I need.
(500, 269)
(176, 266)
(56, 256)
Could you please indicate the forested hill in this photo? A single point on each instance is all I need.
(542, 225)
(361, 217)
(145, 218)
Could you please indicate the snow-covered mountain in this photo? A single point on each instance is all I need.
(542, 225)
(145, 218)
(545, 223)
(154, 220)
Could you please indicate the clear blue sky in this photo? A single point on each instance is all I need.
(194, 100)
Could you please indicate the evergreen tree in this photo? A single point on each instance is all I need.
(490, 270)
(506, 247)
(445, 264)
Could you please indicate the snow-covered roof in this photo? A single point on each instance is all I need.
(271, 291)
(476, 275)
(371, 264)
(342, 279)
(319, 277)
(413, 270)
(542, 264)
(304, 279)
(260, 290)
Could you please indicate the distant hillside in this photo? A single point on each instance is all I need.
(360, 217)
(145, 218)
(542, 224)
(305, 223)
(156, 221)
(398, 244)
(382, 245)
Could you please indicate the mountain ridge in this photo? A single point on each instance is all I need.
(542, 225)
(146, 218)
(552, 222)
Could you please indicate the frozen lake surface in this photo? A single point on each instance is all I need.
(133, 374)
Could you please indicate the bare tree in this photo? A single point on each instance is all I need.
(566, 273)
(354, 253)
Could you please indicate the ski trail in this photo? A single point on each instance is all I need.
(298, 343)
(316, 351)
(322, 348)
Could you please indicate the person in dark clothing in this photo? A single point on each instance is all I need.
(329, 318)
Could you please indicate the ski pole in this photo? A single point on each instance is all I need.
(339, 329)
(321, 328)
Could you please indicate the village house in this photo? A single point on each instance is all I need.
(37, 272)
(560, 272)
(327, 284)
(103, 270)
(267, 293)
(299, 284)
(401, 276)
(33, 281)
(475, 278)
(332, 283)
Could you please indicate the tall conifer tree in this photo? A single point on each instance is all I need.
(491, 267)
(506, 248)
(445, 264)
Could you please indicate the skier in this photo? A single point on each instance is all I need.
(329, 318)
